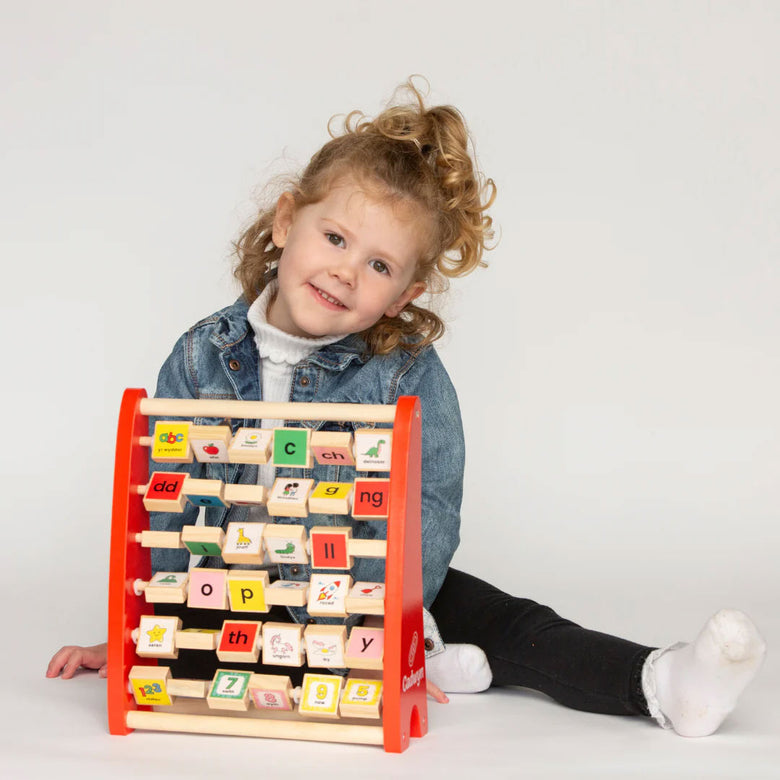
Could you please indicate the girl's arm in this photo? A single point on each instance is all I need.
(174, 381)
(443, 459)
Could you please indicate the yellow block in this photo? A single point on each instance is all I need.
(171, 442)
(246, 590)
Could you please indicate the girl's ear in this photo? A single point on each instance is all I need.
(413, 291)
(283, 219)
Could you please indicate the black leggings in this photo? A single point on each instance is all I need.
(528, 645)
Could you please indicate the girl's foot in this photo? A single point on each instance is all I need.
(460, 669)
(693, 687)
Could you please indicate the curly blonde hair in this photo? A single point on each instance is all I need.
(410, 153)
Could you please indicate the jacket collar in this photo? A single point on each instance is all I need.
(231, 327)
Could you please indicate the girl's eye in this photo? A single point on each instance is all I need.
(335, 239)
(379, 266)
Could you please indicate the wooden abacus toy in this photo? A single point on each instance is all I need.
(383, 705)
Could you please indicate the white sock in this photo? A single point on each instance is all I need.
(693, 687)
(460, 669)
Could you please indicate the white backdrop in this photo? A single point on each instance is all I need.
(617, 363)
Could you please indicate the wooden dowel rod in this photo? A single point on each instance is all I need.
(255, 727)
(367, 548)
(193, 689)
(259, 410)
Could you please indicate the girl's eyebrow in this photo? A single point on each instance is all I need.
(339, 227)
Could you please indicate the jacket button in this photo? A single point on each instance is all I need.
(305, 381)
(311, 621)
(234, 365)
(295, 569)
(429, 644)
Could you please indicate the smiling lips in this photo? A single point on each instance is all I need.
(328, 298)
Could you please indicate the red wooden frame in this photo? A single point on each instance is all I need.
(405, 712)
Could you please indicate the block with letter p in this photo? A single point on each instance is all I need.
(246, 590)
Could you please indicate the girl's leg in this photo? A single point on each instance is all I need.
(690, 687)
(529, 645)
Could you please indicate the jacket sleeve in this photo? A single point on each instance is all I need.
(443, 459)
(174, 381)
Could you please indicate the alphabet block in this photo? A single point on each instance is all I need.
(207, 589)
(329, 547)
(285, 543)
(229, 690)
(271, 691)
(366, 598)
(283, 644)
(247, 590)
(170, 442)
(238, 641)
(332, 448)
(371, 500)
(150, 684)
(373, 449)
(325, 645)
(250, 445)
(164, 493)
(361, 698)
(157, 636)
(328, 593)
(244, 543)
(365, 648)
(291, 447)
(288, 497)
(203, 540)
(167, 587)
(209, 443)
(244, 494)
(320, 695)
(287, 593)
(331, 498)
(205, 492)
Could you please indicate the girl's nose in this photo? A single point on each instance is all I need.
(344, 270)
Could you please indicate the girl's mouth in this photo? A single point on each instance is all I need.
(328, 298)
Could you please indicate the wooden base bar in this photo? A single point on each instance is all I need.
(255, 727)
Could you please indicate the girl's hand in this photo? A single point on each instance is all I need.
(436, 692)
(70, 659)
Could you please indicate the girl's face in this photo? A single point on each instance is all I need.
(346, 260)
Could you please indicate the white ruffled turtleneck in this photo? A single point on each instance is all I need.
(279, 353)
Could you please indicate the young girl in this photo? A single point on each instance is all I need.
(331, 274)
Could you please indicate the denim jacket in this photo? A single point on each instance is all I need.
(217, 358)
